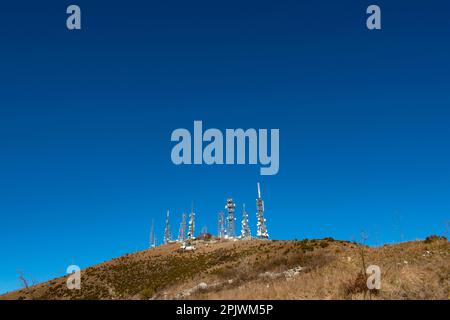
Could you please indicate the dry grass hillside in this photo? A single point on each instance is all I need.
(307, 269)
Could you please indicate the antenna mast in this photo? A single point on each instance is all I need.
(221, 225)
(182, 231)
(152, 242)
(261, 224)
(231, 219)
(167, 235)
(245, 232)
(191, 224)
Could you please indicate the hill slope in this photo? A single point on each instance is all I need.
(308, 269)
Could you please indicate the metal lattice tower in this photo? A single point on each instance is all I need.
(221, 225)
(231, 219)
(167, 235)
(191, 225)
(245, 231)
(182, 231)
(261, 224)
(152, 242)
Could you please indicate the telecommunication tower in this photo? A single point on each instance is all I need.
(230, 219)
(167, 235)
(152, 242)
(245, 231)
(182, 231)
(191, 225)
(221, 225)
(261, 221)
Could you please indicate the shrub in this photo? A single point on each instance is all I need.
(434, 238)
(324, 244)
(355, 285)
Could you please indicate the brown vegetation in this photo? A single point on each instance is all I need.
(253, 269)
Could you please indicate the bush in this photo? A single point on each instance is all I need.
(355, 285)
(148, 293)
(324, 244)
(434, 238)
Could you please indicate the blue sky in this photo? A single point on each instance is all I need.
(86, 118)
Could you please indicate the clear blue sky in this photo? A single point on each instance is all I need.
(86, 118)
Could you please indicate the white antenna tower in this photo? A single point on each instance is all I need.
(191, 224)
(221, 225)
(167, 235)
(182, 231)
(245, 232)
(261, 224)
(231, 219)
(152, 242)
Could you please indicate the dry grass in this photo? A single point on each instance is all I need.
(408, 272)
(332, 270)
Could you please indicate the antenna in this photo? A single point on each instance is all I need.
(259, 191)
(230, 206)
(261, 224)
(191, 224)
(221, 225)
(245, 232)
(167, 235)
(182, 231)
(152, 242)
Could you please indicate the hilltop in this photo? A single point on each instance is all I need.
(262, 269)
